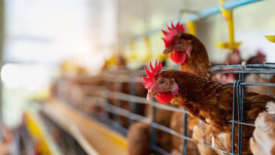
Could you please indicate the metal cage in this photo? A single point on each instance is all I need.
(118, 77)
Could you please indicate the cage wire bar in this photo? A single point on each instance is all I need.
(134, 77)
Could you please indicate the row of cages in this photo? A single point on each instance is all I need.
(117, 98)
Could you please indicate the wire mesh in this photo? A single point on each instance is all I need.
(110, 113)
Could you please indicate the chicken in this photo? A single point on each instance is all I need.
(234, 57)
(255, 78)
(187, 50)
(137, 133)
(177, 125)
(263, 140)
(258, 59)
(209, 101)
(202, 133)
(139, 139)
(227, 77)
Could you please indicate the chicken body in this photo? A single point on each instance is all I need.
(263, 141)
(255, 78)
(177, 125)
(198, 64)
(139, 139)
(263, 90)
(211, 102)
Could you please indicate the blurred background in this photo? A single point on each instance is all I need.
(45, 41)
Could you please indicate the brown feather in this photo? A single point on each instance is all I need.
(263, 141)
(211, 102)
(139, 139)
(197, 63)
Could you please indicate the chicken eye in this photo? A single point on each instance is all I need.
(162, 81)
(179, 42)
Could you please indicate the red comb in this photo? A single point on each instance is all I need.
(172, 32)
(151, 75)
(260, 53)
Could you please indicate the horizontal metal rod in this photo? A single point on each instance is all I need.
(257, 84)
(120, 111)
(142, 100)
(246, 71)
(168, 130)
(243, 123)
(264, 65)
(255, 102)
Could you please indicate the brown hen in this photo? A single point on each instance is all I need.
(139, 139)
(190, 53)
(209, 101)
(255, 78)
(136, 136)
(263, 140)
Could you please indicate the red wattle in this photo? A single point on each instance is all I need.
(164, 98)
(178, 57)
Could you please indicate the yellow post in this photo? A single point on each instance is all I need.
(271, 38)
(231, 28)
(228, 15)
(191, 26)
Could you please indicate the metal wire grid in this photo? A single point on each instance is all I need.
(132, 77)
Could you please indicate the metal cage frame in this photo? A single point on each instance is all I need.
(132, 77)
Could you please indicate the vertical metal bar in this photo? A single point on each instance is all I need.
(133, 92)
(243, 80)
(269, 76)
(241, 119)
(240, 126)
(240, 113)
(185, 123)
(152, 129)
(233, 117)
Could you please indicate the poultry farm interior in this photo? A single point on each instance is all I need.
(132, 78)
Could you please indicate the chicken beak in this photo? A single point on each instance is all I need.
(151, 93)
(167, 50)
(150, 96)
